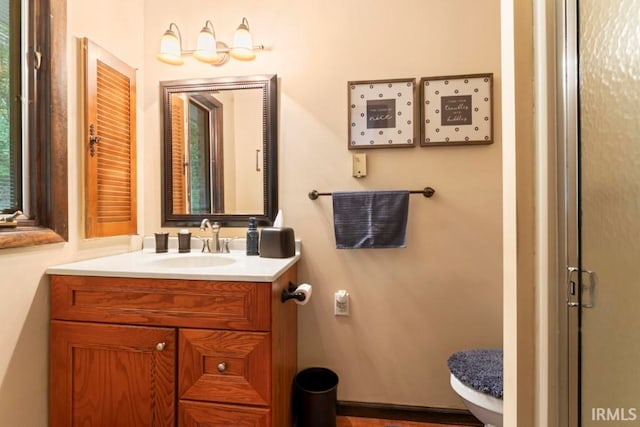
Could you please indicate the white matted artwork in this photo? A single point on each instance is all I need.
(456, 110)
(382, 113)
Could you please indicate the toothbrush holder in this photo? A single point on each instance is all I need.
(184, 242)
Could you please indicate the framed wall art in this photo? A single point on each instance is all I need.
(456, 110)
(382, 114)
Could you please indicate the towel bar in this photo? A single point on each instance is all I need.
(426, 192)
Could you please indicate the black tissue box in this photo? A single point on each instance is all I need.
(277, 243)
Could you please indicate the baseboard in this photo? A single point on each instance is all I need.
(407, 413)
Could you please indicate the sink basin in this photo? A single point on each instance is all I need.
(193, 261)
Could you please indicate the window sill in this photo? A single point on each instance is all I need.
(22, 237)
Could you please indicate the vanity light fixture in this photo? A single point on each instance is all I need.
(171, 46)
(208, 49)
(242, 43)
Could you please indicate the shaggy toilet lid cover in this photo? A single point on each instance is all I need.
(479, 369)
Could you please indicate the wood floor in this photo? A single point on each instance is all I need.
(368, 422)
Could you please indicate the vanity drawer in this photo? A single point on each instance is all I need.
(224, 366)
(170, 302)
(195, 414)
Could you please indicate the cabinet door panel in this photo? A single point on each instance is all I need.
(199, 414)
(225, 366)
(112, 375)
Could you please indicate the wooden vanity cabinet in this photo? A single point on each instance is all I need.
(166, 352)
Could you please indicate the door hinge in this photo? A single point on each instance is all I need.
(588, 287)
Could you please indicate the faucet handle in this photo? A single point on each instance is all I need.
(225, 245)
(215, 227)
(206, 244)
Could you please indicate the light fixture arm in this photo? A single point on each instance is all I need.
(224, 48)
(245, 24)
(209, 24)
(174, 25)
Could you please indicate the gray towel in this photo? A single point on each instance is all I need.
(370, 219)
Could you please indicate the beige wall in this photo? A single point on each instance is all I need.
(229, 149)
(411, 308)
(242, 136)
(248, 138)
(24, 289)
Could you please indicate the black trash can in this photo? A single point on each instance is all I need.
(316, 395)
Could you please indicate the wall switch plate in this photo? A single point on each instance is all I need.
(341, 303)
(359, 165)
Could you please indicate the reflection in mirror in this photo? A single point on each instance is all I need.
(193, 142)
(220, 150)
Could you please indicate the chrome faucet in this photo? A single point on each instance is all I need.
(215, 239)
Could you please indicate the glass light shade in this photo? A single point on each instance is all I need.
(242, 43)
(206, 48)
(170, 50)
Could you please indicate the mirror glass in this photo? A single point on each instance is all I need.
(219, 150)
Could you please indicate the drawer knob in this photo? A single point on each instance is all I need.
(161, 346)
(222, 366)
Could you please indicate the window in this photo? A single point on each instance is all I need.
(10, 107)
(197, 154)
(199, 164)
(44, 119)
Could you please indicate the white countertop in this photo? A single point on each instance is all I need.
(235, 266)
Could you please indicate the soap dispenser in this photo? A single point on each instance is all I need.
(252, 237)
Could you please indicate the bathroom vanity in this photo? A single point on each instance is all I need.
(150, 339)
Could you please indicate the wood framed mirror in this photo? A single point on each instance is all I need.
(219, 150)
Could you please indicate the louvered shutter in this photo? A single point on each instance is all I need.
(178, 155)
(110, 144)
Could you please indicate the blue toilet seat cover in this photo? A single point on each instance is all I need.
(479, 369)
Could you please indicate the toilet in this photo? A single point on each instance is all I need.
(476, 376)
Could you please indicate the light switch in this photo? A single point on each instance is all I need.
(341, 307)
(359, 165)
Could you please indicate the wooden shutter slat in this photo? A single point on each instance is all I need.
(123, 201)
(112, 105)
(113, 148)
(178, 155)
(114, 179)
(111, 76)
(117, 76)
(114, 94)
(115, 192)
(108, 181)
(111, 172)
(114, 119)
(118, 165)
(106, 81)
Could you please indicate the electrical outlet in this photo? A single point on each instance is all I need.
(341, 303)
